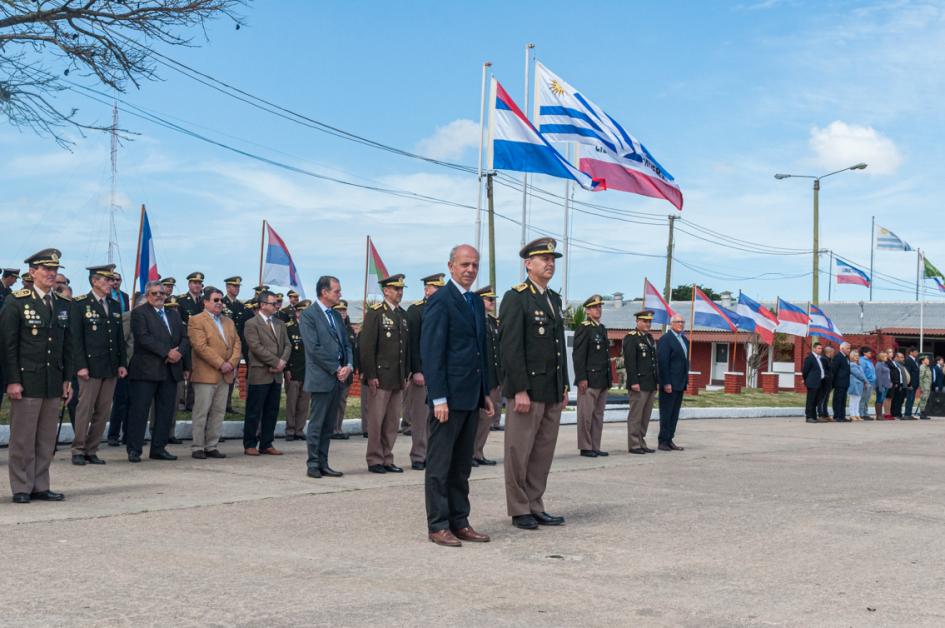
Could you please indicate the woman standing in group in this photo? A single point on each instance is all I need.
(855, 391)
(883, 384)
(925, 384)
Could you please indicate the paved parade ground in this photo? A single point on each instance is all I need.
(758, 522)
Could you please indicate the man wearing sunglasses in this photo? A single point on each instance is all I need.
(269, 351)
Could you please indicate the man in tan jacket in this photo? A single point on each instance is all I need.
(215, 355)
(269, 350)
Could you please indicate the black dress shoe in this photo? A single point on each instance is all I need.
(93, 459)
(214, 453)
(113, 442)
(525, 522)
(330, 473)
(161, 454)
(340, 436)
(664, 447)
(364, 434)
(485, 461)
(588, 453)
(475, 462)
(497, 428)
(314, 473)
(545, 519)
(199, 454)
(78, 459)
(418, 466)
(377, 468)
(393, 468)
(47, 496)
(21, 498)
(601, 453)
(810, 420)
(648, 450)
(134, 457)
(637, 450)
(174, 441)
(408, 432)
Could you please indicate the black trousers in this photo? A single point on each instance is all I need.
(262, 413)
(839, 404)
(118, 422)
(164, 396)
(670, 403)
(810, 406)
(909, 396)
(450, 448)
(321, 425)
(823, 396)
(898, 394)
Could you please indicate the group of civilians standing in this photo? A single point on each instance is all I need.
(852, 376)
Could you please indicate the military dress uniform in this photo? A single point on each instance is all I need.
(297, 400)
(495, 378)
(342, 307)
(188, 304)
(239, 314)
(591, 357)
(416, 410)
(639, 359)
(5, 291)
(533, 361)
(37, 351)
(288, 313)
(384, 346)
(100, 349)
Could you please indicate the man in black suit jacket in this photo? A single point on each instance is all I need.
(826, 385)
(814, 375)
(840, 370)
(456, 371)
(157, 364)
(912, 365)
(672, 358)
(897, 375)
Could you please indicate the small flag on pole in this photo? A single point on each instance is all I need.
(757, 318)
(939, 283)
(886, 240)
(931, 272)
(792, 320)
(146, 268)
(375, 267)
(850, 274)
(279, 269)
(821, 325)
(654, 301)
(708, 314)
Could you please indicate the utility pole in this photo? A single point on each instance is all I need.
(667, 290)
(113, 197)
(491, 227)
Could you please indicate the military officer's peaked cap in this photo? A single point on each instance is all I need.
(341, 305)
(260, 288)
(168, 281)
(303, 305)
(47, 257)
(195, 276)
(292, 293)
(434, 280)
(105, 270)
(171, 301)
(280, 296)
(594, 301)
(394, 281)
(11, 272)
(26, 278)
(644, 315)
(233, 281)
(486, 293)
(541, 246)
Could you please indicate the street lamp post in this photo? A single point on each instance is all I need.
(815, 252)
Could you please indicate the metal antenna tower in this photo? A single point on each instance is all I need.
(113, 207)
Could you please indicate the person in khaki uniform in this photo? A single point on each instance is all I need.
(297, 401)
(415, 398)
(342, 309)
(37, 349)
(99, 360)
(486, 421)
(535, 384)
(384, 361)
(591, 357)
(215, 355)
(639, 359)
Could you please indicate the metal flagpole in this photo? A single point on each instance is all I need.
(567, 234)
(872, 254)
(367, 254)
(262, 240)
(692, 324)
(482, 108)
(135, 294)
(528, 51)
(918, 266)
(830, 277)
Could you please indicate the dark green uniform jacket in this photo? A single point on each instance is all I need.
(591, 356)
(639, 359)
(98, 337)
(384, 345)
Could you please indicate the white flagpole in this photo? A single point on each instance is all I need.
(567, 234)
(528, 51)
(918, 266)
(872, 253)
(482, 108)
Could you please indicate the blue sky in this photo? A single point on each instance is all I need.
(723, 94)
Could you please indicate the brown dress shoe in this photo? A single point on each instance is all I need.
(468, 534)
(445, 538)
(675, 447)
(271, 451)
(252, 451)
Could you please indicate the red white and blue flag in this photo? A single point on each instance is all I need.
(606, 151)
(848, 273)
(515, 144)
(279, 269)
(654, 301)
(757, 318)
(146, 266)
(938, 282)
(708, 314)
(821, 325)
(792, 320)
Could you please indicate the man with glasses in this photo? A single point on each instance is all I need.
(672, 356)
(269, 351)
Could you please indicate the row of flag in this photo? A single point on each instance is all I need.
(748, 315)
(885, 240)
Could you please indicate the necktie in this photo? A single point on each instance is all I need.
(164, 318)
(104, 305)
(469, 300)
(271, 326)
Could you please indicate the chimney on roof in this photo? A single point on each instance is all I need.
(726, 298)
(618, 299)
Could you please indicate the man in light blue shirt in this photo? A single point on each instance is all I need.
(869, 372)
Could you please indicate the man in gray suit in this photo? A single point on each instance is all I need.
(328, 360)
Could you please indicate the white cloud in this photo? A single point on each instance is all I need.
(839, 145)
(451, 140)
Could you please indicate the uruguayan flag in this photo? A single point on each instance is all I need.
(886, 240)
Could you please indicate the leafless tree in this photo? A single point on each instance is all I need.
(105, 42)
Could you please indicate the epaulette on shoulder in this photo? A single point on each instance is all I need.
(181, 295)
(63, 297)
(22, 294)
(81, 297)
(420, 302)
(632, 332)
(520, 287)
(377, 306)
(553, 292)
(587, 323)
(290, 323)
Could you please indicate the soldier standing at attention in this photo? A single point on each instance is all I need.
(639, 359)
(415, 399)
(191, 302)
(297, 401)
(287, 313)
(342, 309)
(384, 360)
(237, 312)
(7, 279)
(494, 379)
(535, 384)
(592, 376)
(37, 346)
(99, 361)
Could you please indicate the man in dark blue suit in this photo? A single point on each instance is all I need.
(814, 375)
(672, 359)
(840, 369)
(453, 354)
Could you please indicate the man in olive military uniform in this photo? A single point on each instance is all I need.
(342, 308)
(415, 398)
(237, 312)
(37, 350)
(99, 361)
(639, 359)
(297, 400)
(535, 384)
(168, 284)
(287, 313)
(8, 278)
(495, 378)
(26, 281)
(385, 358)
(191, 302)
(591, 357)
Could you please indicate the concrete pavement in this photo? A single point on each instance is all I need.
(758, 522)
